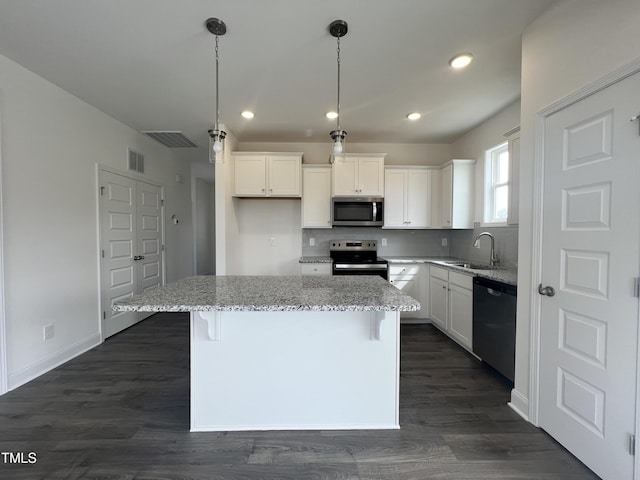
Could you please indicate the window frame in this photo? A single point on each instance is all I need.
(492, 183)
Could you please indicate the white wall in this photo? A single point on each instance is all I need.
(51, 143)
(473, 145)
(572, 44)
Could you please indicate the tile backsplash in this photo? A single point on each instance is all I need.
(399, 242)
(421, 243)
(506, 245)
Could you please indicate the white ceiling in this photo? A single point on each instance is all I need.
(150, 63)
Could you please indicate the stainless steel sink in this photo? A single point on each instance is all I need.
(471, 265)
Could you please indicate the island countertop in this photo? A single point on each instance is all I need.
(272, 293)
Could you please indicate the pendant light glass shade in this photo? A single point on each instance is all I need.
(218, 28)
(338, 29)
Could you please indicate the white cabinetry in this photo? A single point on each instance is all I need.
(267, 174)
(407, 197)
(316, 196)
(457, 178)
(315, 269)
(358, 175)
(513, 139)
(451, 304)
(412, 279)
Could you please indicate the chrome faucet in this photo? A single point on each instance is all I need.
(493, 259)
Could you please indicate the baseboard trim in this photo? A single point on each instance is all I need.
(296, 427)
(52, 361)
(414, 320)
(519, 404)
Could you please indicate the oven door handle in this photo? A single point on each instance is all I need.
(360, 266)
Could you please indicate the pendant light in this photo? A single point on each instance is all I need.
(338, 29)
(218, 28)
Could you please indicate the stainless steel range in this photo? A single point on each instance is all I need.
(357, 257)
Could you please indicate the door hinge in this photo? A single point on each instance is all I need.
(636, 287)
(163, 248)
(102, 253)
(102, 191)
(162, 202)
(104, 315)
(632, 445)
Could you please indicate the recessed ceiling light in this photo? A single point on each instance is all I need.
(247, 114)
(332, 115)
(461, 60)
(413, 116)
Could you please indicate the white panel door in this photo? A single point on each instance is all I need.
(149, 236)
(132, 257)
(118, 206)
(590, 256)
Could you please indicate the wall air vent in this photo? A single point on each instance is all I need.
(171, 139)
(136, 161)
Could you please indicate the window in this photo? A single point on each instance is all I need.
(496, 197)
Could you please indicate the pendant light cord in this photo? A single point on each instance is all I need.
(338, 107)
(217, 83)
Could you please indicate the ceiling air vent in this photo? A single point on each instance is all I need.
(172, 139)
(136, 161)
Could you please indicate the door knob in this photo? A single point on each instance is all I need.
(548, 291)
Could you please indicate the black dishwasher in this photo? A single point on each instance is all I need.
(494, 324)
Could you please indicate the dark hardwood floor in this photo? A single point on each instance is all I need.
(121, 411)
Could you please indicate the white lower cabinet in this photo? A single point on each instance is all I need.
(412, 279)
(315, 269)
(451, 304)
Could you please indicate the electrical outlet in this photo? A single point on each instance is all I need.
(312, 242)
(445, 241)
(47, 332)
(383, 242)
(273, 241)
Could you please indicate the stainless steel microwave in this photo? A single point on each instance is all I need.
(357, 211)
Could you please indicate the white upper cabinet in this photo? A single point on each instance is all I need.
(358, 175)
(268, 174)
(457, 178)
(407, 197)
(316, 196)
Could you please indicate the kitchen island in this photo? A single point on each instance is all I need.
(288, 353)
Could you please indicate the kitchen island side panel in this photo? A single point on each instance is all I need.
(294, 370)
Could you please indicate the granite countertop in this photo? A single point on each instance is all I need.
(272, 293)
(500, 274)
(318, 259)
